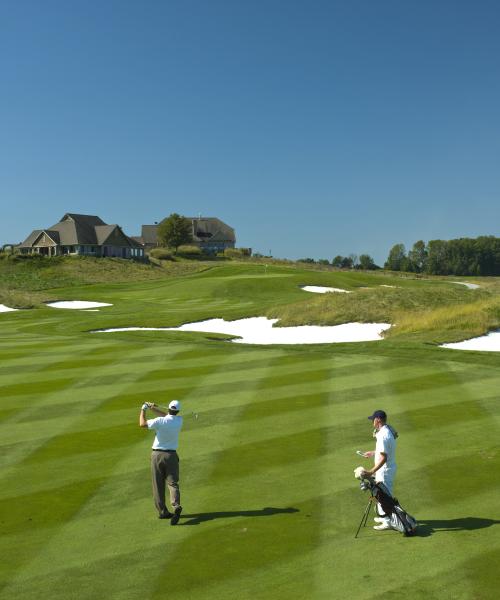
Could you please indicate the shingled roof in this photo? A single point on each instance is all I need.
(211, 229)
(83, 230)
(78, 229)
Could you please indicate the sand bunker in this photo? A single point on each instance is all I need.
(485, 343)
(318, 289)
(77, 304)
(260, 330)
(471, 286)
(4, 308)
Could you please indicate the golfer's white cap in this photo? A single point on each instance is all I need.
(175, 405)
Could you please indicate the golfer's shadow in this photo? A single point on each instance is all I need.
(268, 511)
(427, 527)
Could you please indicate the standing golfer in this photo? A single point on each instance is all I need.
(384, 467)
(164, 458)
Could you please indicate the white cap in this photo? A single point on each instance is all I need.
(175, 405)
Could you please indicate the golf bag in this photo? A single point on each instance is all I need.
(400, 519)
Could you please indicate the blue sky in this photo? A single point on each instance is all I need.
(313, 128)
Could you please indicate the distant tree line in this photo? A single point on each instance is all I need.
(353, 261)
(463, 256)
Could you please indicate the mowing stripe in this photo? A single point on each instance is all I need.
(64, 531)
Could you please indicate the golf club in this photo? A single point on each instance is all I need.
(165, 409)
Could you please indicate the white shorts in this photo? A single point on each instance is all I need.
(387, 479)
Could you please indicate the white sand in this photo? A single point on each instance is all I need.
(471, 286)
(4, 308)
(77, 304)
(260, 330)
(318, 289)
(485, 343)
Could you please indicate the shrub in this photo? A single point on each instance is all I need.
(237, 252)
(161, 253)
(187, 250)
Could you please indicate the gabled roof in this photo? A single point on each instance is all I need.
(103, 232)
(52, 234)
(35, 234)
(211, 229)
(79, 230)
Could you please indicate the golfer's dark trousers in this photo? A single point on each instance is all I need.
(165, 470)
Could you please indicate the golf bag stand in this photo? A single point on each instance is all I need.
(364, 518)
(400, 520)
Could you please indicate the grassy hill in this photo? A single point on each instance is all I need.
(268, 447)
(25, 281)
(433, 309)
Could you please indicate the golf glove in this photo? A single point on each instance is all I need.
(145, 406)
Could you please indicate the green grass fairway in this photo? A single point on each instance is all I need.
(270, 502)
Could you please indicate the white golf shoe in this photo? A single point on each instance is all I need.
(383, 526)
(379, 519)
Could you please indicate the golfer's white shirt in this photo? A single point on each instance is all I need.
(167, 432)
(386, 444)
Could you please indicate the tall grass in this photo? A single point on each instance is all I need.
(451, 322)
(450, 313)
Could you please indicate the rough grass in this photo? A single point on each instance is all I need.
(451, 322)
(411, 310)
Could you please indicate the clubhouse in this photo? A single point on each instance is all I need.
(82, 234)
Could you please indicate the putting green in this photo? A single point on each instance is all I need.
(270, 502)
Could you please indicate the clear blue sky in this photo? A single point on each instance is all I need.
(314, 128)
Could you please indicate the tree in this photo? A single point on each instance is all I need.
(462, 256)
(337, 261)
(175, 231)
(354, 260)
(437, 260)
(346, 262)
(307, 260)
(397, 260)
(417, 257)
(367, 263)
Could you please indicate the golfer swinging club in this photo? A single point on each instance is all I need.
(384, 467)
(164, 458)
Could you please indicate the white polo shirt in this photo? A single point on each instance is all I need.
(386, 443)
(167, 432)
